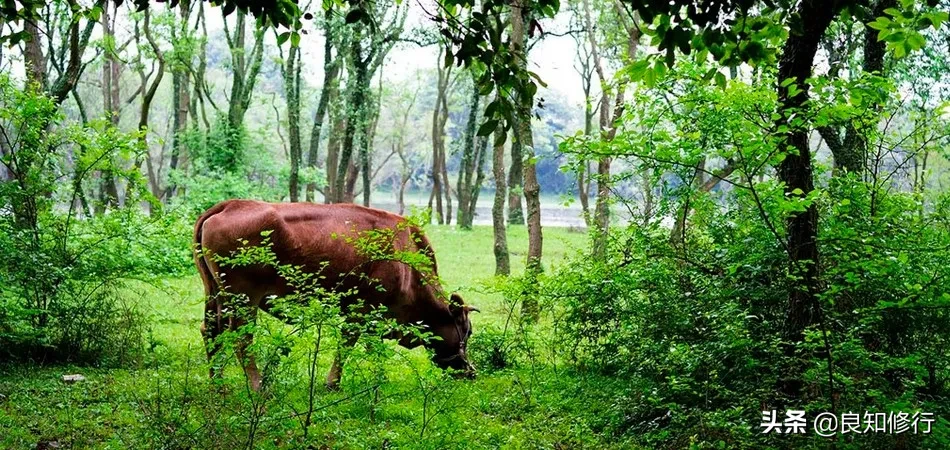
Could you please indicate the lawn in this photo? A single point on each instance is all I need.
(166, 400)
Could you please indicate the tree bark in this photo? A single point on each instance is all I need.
(292, 92)
(148, 94)
(796, 170)
(467, 166)
(440, 116)
(334, 142)
(532, 189)
(180, 96)
(482, 144)
(345, 183)
(111, 106)
(328, 91)
(500, 233)
(515, 180)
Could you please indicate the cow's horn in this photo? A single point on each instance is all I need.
(472, 309)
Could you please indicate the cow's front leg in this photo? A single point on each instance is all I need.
(348, 339)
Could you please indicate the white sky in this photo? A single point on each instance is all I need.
(552, 58)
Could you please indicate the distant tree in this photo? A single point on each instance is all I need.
(290, 71)
(148, 88)
(329, 91)
(440, 115)
(532, 190)
(371, 38)
(500, 232)
(471, 171)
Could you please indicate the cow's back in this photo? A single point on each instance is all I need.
(319, 238)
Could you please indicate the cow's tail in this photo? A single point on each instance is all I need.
(213, 324)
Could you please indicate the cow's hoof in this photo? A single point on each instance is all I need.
(333, 387)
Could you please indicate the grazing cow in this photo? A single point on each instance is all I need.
(314, 237)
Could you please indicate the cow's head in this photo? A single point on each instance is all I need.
(450, 350)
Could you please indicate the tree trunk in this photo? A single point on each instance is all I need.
(148, 94)
(330, 80)
(796, 172)
(583, 181)
(334, 142)
(515, 179)
(849, 151)
(33, 56)
(444, 172)
(479, 176)
(111, 105)
(467, 166)
(440, 116)
(345, 184)
(500, 233)
(180, 96)
(292, 90)
(532, 189)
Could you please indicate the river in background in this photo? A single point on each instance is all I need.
(555, 211)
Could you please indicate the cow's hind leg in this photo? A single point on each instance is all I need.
(211, 328)
(245, 357)
(348, 339)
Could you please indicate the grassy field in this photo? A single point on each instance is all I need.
(166, 400)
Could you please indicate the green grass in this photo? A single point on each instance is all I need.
(527, 406)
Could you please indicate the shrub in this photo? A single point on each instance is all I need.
(61, 271)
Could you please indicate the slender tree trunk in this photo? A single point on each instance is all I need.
(148, 94)
(367, 143)
(796, 173)
(446, 186)
(345, 184)
(439, 118)
(110, 100)
(479, 177)
(33, 56)
(515, 180)
(180, 97)
(330, 83)
(467, 166)
(583, 181)
(334, 142)
(532, 189)
(502, 263)
(292, 90)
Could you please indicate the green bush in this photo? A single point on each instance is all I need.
(62, 270)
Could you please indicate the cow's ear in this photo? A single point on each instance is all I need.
(456, 305)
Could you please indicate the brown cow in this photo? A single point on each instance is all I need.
(312, 236)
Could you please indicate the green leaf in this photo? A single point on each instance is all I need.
(720, 80)
(282, 37)
(916, 41)
(880, 24)
(488, 127)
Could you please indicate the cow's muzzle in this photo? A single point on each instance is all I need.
(461, 366)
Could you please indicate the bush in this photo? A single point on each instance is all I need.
(701, 334)
(61, 271)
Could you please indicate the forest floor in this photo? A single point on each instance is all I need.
(532, 404)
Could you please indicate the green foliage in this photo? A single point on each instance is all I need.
(61, 273)
(229, 163)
